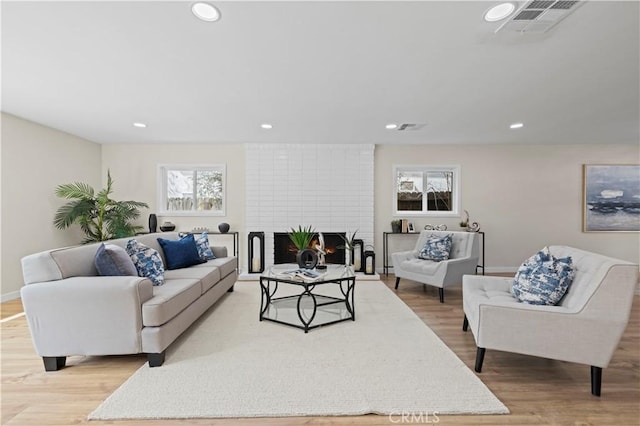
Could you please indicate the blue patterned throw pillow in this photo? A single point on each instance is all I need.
(147, 260)
(543, 279)
(180, 253)
(436, 248)
(202, 243)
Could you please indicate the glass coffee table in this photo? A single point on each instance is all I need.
(307, 303)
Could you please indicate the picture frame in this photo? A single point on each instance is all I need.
(611, 198)
(410, 227)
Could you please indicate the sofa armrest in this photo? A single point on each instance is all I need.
(86, 315)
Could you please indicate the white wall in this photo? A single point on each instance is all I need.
(328, 187)
(524, 197)
(134, 170)
(35, 159)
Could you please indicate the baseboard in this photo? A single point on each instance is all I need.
(10, 296)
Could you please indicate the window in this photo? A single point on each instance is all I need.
(191, 190)
(426, 190)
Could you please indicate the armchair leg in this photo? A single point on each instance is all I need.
(397, 282)
(465, 324)
(596, 380)
(441, 293)
(230, 289)
(54, 363)
(479, 359)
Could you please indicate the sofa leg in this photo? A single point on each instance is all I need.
(156, 360)
(441, 293)
(479, 359)
(54, 363)
(230, 289)
(465, 324)
(397, 282)
(596, 380)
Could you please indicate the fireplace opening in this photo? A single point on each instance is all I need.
(285, 252)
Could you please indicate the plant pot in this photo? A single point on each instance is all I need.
(307, 259)
(396, 228)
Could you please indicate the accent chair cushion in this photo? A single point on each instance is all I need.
(113, 260)
(147, 261)
(543, 279)
(202, 243)
(180, 253)
(436, 248)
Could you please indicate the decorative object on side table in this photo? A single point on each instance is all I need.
(153, 223)
(430, 227)
(468, 225)
(396, 225)
(301, 238)
(100, 217)
(167, 226)
(223, 227)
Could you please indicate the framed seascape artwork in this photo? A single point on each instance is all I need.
(611, 198)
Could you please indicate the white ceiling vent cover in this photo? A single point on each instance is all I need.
(539, 16)
(412, 127)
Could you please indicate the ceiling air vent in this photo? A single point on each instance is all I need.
(539, 16)
(410, 127)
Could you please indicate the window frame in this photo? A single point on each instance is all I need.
(162, 188)
(424, 169)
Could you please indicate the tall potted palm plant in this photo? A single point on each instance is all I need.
(99, 216)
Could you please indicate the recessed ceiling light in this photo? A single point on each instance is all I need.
(391, 126)
(141, 125)
(499, 12)
(266, 126)
(516, 125)
(205, 11)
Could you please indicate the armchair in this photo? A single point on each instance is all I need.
(463, 259)
(585, 327)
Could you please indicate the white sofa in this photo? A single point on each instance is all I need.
(585, 327)
(463, 259)
(71, 310)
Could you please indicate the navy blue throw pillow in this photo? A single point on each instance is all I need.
(180, 253)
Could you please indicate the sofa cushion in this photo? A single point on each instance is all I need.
(436, 248)
(543, 279)
(207, 274)
(112, 260)
(147, 261)
(226, 265)
(169, 300)
(180, 253)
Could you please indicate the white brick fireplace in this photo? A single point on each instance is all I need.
(329, 187)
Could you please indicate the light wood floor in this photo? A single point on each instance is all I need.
(536, 391)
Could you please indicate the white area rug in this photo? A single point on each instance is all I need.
(231, 365)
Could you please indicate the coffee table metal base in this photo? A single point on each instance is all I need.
(311, 309)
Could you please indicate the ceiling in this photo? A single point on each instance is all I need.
(321, 72)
